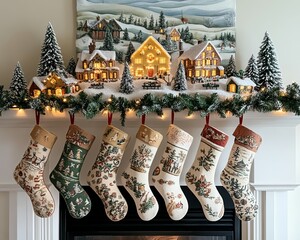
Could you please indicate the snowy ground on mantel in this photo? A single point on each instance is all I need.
(112, 88)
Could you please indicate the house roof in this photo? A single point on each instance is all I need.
(106, 55)
(149, 39)
(241, 82)
(195, 51)
(169, 30)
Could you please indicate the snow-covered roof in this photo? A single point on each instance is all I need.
(168, 30)
(106, 55)
(39, 82)
(195, 51)
(241, 82)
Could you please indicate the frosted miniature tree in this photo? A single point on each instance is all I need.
(126, 85)
(108, 43)
(180, 83)
(130, 51)
(268, 70)
(230, 69)
(18, 85)
(251, 70)
(71, 67)
(51, 57)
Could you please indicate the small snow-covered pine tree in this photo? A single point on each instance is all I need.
(71, 67)
(130, 51)
(151, 23)
(230, 69)
(126, 85)
(108, 43)
(267, 64)
(125, 34)
(180, 83)
(18, 85)
(251, 70)
(51, 57)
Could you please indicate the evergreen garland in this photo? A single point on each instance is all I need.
(264, 101)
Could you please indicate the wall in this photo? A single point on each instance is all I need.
(23, 25)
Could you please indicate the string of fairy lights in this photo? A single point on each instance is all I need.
(263, 101)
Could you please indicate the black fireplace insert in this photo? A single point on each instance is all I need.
(194, 226)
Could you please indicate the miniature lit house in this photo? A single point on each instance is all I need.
(96, 65)
(174, 34)
(54, 84)
(150, 59)
(202, 60)
(238, 85)
(97, 28)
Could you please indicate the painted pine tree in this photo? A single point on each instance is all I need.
(51, 57)
(151, 23)
(126, 34)
(18, 85)
(126, 85)
(230, 69)
(267, 64)
(108, 43)
(180, 83)
(162, 20)
(251, 70)
(71, 67)
(130, 51)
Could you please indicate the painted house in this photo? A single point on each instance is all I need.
(202, 60)
(174, 34)
(55, 83)
(97, 28)
(150, 59)
(97, 65)
(238, 85)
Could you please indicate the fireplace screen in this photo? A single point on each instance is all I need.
(194, 226)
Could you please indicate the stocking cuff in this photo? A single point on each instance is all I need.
(149, 136)
(43, 137)
(247, 138)
(116, 137)
(79, 137)
(214, 135)
(179, 138)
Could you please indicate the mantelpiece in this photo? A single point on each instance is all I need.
(280, 132)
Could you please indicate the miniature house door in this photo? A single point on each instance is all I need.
(150, 72)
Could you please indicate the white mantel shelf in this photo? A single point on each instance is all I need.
(274, 173)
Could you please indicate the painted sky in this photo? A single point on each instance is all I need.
(174, 7)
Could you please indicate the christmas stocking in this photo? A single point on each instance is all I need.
(102, 176)
(135, 177)
(201, 175)
(29, 173)
(65, 175)
(166, 175)
(235, 176)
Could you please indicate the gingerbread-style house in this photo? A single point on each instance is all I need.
(150, 60)
(97, 65)
(97, 28)
(56, 83)
(202, 60)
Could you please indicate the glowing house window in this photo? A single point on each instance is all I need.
(97, 65)
(139, 72)
(110, 64)
(36, 93)
(207, 73)
(208, 48)
(213, 54)
(208, 62)
(115, 75)
(104, 75)
(197, 73)
(58, 92)
(198, 62)
(138, 60)
(85, 65)
(203, 73)
(111, 75)
(162, 60)
(86, 76)
(203, 55)
(190, 73)
(215, 62)
(213, 72)
(92, 75)
(203, 63)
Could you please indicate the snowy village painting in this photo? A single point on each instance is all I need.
(129, 49)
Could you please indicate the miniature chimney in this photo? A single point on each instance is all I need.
(92, 46)
(180, 47)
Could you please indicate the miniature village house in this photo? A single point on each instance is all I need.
(241, 86)
(96, 65)
(174, 34)
(150, 60)
(54, 84)
(97, 28)
(202, 60)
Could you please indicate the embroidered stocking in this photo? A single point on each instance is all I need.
(135, 177)
(166, 176)
(102, 176)
(235, 176)
(65, 175)
(29, 173)
(201, 176)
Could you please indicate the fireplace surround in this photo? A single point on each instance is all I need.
(96, 226)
